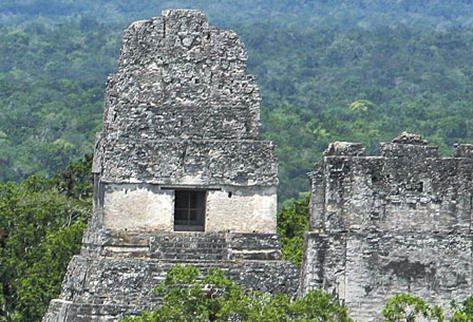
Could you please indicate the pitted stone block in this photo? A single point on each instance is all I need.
(463, 151)
(409, 138)
(198, 162)
(345, 149)
(109, 289)
(410, 146)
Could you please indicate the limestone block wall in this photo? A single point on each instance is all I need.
(126, 285)
(364, 270)
(398, 222)
(191, 162)
(180, 77)
(146, 208)
(411, 190)
(181, 114)
(242, 210)
(181, 105)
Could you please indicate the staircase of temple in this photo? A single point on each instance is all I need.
(190, 246)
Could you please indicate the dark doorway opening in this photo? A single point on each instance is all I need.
(189, 210)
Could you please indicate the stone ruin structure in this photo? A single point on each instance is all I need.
(181, 174)
(382, 225)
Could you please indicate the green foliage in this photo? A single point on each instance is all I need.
(318, 306)
(462, 313)
(293, 222)
(428, 14)
(46, 125)
(191, 297)
(41, 224)
(360, 105)
(313, 60)
(51, 95)
(400, 78)
(405, 307)
(77, 181)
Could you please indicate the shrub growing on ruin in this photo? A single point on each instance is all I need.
(406, 307)
(293, 222)
(188, 296)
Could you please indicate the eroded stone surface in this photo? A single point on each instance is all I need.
(108, 288)
(180, 114)
(180, 83)
(194, 162)
(399, 222)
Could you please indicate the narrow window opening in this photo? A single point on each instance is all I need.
(420, 187)
(189, 210)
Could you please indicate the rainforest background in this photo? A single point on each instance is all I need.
(352, 70)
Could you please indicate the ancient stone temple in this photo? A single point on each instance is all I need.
(181, 175)
(381, 225)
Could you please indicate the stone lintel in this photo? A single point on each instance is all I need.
(190, 162)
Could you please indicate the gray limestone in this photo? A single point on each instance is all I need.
(108, 288)
(181, 88)
(181, 114)
(381, 225)
(238, 162)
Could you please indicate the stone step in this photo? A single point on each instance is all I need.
(130, 282)
(66, 311)
(189, 246)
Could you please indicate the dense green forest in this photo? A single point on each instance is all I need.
(41, 225)
(189, 295)
(318, 85)
(359, 70)
(426, 14)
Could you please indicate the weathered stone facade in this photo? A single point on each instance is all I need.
(381, 225)
(182, 112)
(181, 175)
